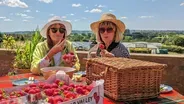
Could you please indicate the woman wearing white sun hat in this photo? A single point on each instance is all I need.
(109, 32)
(50, 52)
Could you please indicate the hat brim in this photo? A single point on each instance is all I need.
(95, 25)
(67, 25)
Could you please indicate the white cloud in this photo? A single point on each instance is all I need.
(25, 20)
(27, 11)
(63, 17)
(95, 11)
(68, 20)
(14, 3)
(76, 5)
(182, 4)
(51, 14)
(111, 10)
(28, 17)
(24, 15)
(21, 14)
(71, 14)
(6, 19)
(46, 1)
(86, 11)
(123, 17)
(84, 18)
(145, 17)
(37, 11)
(76, 20)
(2, 17)
(101, 6)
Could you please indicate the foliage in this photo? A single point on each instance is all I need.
(24, 54)
(8, 42)
(179, 41)
(140, 50)
(173, 48)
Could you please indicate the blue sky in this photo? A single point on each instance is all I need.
(21, 15)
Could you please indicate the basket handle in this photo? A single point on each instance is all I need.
(102, 74)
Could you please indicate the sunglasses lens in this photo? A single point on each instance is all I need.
(54, 30)
(102, 30)
(62, 30)
(109, 30)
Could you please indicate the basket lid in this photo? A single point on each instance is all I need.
(125, 63)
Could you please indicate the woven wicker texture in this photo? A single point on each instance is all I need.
(126, 79)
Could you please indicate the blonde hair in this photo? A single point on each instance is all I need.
(118, 35)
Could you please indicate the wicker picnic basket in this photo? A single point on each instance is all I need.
(126, 79)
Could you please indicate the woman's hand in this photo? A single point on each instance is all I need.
(56, 48)
(105, 53)
(69, 59)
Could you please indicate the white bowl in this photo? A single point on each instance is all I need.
(48, 71)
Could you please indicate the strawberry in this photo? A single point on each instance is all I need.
(70, 95)
(70, 88)
(57, 99)
(66, 99)
(46, 86)
(32, 85)
(79, 90)
(72, 85)
(32, 91)
(40, 85)
(50, 100)
(49, 92)
(27, 89)
(65, 87)
(57, 81)
(89, 88)
(54, 85)
(71, 53)
(101, 46)
(1, 96)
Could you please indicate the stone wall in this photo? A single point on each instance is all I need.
(173, 75)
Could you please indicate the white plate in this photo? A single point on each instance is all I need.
(165, 88)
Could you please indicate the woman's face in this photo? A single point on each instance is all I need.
(57, 32)
(107, 32)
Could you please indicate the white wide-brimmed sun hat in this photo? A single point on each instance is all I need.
(108, 17)
(54, 20)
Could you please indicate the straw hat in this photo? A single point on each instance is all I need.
(108, 17)
(55, 20)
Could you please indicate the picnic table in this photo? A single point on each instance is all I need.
(173, 97)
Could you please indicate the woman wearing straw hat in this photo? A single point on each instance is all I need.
(51, 51)
(109, 32)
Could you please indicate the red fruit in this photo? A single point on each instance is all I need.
(32, 91)
(89, 88)
(66, 99)
(79, 90)
(50, 100)
(46, 86)
(38, 96)
(40, 85)
(1, 91)
(1, 96)
(72, 85)
(65, 87)
(56, 93)
(13, 96)
(54, 85)
(70, 95)
(71, 53)
(27, 89)
(57, 81)
(57, 99)
(37, 90)
(49, 92)
(32, 85)
(70, 88)
(101, 46)
(65, 56)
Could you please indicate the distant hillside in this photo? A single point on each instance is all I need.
(87, 31)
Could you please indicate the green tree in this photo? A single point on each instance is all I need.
(179, 41)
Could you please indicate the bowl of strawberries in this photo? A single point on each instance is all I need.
(48, 71)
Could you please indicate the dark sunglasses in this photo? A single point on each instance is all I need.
(61, 30)
(109, 30)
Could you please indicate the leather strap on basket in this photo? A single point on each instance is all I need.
(103, 74)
